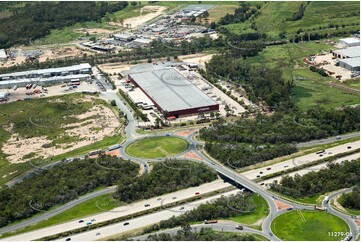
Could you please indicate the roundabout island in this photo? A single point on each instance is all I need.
(306, 225)
(157, 147)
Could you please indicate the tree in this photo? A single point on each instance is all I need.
(113, 103)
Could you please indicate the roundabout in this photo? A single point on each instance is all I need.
(306, 225)
(157, 147)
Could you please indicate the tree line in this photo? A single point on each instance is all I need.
(336, 176)
(165, 177)
(61, 184)
(249, 141)
(204, 234)
(351, 200)
(36, 19)
(241, 14)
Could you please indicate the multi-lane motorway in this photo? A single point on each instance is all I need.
(244, 180)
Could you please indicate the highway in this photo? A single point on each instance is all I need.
(328, 140)
(119, 211)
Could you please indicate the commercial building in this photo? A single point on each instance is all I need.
(172, 93)
(3, 55)
(350, 42)
(351, 64)
(124, 37)
(142, 42)
(349, 52)
(45, 76)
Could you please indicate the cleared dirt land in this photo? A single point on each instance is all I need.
(40, 129)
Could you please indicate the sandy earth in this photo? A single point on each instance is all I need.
(87, 132)
(184, 133)
(93, 31)
(139, 20)
(192, 155)
(200, 59)
(281, 205)
(114, 67)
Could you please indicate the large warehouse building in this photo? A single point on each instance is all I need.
(172, 93)
(46, 76)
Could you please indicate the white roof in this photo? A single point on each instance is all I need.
(142, 41)
(353, 62)
(124, 35)
(2, 54)
(49, 70)
(349, 51)
(42, 79)
(350, 40)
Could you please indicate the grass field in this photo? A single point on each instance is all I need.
(260, 212)
(85, 209)
(308, 226)
(217, 12)
(156, 147)
(274, 17)
(310, 88)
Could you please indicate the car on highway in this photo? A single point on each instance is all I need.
(289, 209)
(174, 198)
(146, 205)
(258, 176)
(89, 223)
(181, 208)
(97, 234)
(338, 137)
(68, 239)
(93, 220)
(81, 221)
(270, 233)
(261, 172)
(285, 166)
(167, 134)
(126, 223)
(262, 184)
(321, 155)
(349, 147)
(159, 199)
(239, 227)
(268, 168)
(197, 193)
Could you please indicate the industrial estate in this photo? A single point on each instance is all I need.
(168, 121)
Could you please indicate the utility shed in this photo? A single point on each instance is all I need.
(349, 52)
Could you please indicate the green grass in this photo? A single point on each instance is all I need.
(156, 147)
(316, 226)
(219, 11)
(310, 89)
(85, 209)
(260, 212)
(274, 18)
(349, 210)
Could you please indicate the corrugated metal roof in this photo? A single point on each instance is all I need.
(353, 62)
(49, 70)
(349, 51)
(171, 90)
(45, 80)
(350, 40)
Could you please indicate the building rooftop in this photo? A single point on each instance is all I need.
(350, 40)
(124, 35)
(349, 51)
(353, 62)
(171, 90)
(42, 79)
(2, 54)
(49, 70)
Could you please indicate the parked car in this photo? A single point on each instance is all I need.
(239, 227)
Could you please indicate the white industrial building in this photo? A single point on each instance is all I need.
(124, 37)
(45, 76)
(349, 52)
(3, 55)
(50, 72)
(142, 42)
(350, 42)
(351, 64)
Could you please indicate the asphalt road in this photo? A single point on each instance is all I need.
(328, 140)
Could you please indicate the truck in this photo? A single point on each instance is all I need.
(210, 221)
(320, 152)
(320, 208)
(114, 147)
(326, 199)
